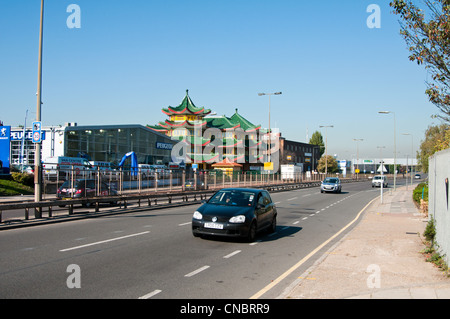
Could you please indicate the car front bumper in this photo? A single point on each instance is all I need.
(201, 227)
(329, 188)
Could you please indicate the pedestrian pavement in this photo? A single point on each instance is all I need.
(380, 258)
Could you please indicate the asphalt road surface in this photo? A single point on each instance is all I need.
(152, 254)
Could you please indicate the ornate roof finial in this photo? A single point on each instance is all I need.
(187, 92)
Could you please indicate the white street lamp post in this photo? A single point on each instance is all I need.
(395, 149)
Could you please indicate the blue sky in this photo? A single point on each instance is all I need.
(130, 59)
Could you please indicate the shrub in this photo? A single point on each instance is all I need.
(23, 178)
(417, 193)
(430, 231)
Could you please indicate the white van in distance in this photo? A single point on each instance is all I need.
(64, 164)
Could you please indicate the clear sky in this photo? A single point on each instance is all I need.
(130, 59)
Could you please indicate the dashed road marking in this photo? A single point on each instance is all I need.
(151, 294)
(195, 272)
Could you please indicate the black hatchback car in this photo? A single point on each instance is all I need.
(236, 212)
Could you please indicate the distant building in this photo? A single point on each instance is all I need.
(301, 154)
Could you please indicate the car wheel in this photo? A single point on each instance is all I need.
(251, 232)
(273, 226)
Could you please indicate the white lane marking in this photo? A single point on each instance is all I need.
(232, 254)
(151, 294)
(277, 203)
(104, 241)
(292, 198)
(306, 195)
(185, 224)
(296, 222)
(304, 218)
(196, 271)
(255, 242)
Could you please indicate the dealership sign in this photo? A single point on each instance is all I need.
(18, 135)
(5, 138)
(164, 146)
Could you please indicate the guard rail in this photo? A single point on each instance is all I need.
(150, 199)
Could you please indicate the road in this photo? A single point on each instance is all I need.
(152, 254)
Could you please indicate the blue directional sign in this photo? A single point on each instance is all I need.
(36, 137)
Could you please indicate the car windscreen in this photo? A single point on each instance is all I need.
(330, 180)
(233, 198)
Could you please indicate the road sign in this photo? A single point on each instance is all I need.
(36, 137)
(357, 170)
(268, 166)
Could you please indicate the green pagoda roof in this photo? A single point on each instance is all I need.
(221, 122)
(246, 125)
(235, 121)
(186, 107)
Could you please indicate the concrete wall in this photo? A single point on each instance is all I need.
(439, 199)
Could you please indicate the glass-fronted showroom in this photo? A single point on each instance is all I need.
(111, 143)
(103, 143)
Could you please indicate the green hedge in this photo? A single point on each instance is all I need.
(23, 178)
(417, 193)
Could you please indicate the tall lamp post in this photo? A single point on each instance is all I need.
(270, 133)
(37, 154)
(357, 153)
(412, 154)
(395, 149)
(326, 146)
(381, 168)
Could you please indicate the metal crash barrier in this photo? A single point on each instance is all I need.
(175, 190)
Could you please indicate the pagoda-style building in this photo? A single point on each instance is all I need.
(189, 124)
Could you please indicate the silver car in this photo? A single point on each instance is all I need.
(331, 184)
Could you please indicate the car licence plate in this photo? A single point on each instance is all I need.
(213, 225)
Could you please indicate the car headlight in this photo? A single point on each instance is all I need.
(237, 219)
(197, 215)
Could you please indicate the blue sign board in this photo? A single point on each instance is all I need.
(36, 137)
(5, 137)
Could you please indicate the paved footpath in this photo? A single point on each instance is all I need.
(380, 258)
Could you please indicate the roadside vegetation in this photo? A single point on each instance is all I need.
(431, 251)
(18, 184)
